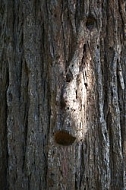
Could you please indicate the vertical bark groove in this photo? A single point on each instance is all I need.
(63, 68)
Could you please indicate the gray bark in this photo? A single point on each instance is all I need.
(62, 68)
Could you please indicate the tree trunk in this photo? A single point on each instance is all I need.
(63, 97)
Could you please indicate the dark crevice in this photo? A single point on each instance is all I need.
(64, 41)
(26, 112)
(84, 48)
(29, 179)
(6, 129)
(62, 103)
(82, 164)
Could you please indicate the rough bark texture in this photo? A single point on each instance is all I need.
(63, 67)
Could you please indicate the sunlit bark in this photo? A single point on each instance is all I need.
(62, 68)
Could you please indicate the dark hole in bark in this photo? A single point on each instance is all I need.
(91, 22)
(85, 85)
(69, 76)
(10, 97)
(84, 48)
(62, 137)
(76, 94)
(52, 174)
(85, 73)
(111, 48)
(62, 103)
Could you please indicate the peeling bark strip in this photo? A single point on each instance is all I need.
(63, 95)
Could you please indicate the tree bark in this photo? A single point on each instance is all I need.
(62, 95)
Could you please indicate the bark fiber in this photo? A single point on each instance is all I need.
(63, 67)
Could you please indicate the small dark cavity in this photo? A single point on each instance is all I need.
(86, 85)
(10, 97)
(91, 22)
(69, 76)
(62, 137)
(110, 47)
(52, 174)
